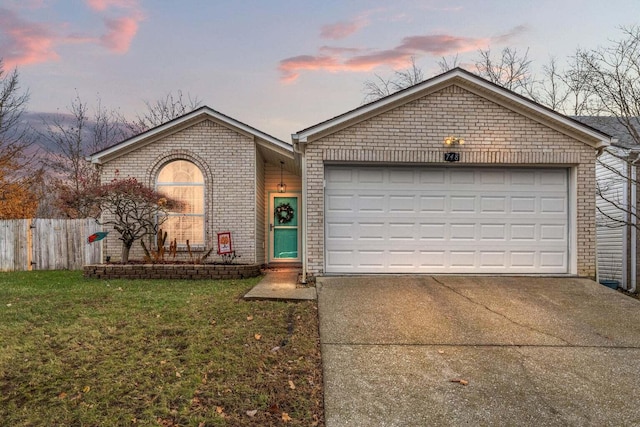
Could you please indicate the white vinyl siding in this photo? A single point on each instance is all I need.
(446, 220)
(611, 234)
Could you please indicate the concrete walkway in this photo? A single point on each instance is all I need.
(444, 350)
(281, 284)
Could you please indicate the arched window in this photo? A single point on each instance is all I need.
(182, 180)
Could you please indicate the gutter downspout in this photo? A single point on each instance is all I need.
(299, 148)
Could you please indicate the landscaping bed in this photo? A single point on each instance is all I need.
(171, 271)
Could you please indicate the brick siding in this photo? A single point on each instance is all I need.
(227, 160)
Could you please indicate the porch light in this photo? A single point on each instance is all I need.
(282, 187)
(453, 140)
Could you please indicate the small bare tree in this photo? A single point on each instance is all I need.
(381, 87)
(609, 79)
(71, 138)
(164, 109)
(510, 70)
(133, 209)
(448, 64)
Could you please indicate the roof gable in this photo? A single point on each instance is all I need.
(471, 83)
(183, 122)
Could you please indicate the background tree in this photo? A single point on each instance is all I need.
(164, 109)
(381, 87)
(18, 171)
(71, 138)
(510, 70)
(133, 209)
(609, 79)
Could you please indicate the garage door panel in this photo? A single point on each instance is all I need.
(370, 176)
(432, 204)
(432, 176)
(493, 259)
(340, 203)
(523, 232)
(523, 205)
(446, 220)
(553, 205)
(466, 204)
(371, 203)
(493, 204)
(494, 232)
(433, 231)
(402, 204)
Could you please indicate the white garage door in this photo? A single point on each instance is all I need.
(446, 220)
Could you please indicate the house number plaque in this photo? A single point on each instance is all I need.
(451, 157)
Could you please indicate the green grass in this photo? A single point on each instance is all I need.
(83, 352)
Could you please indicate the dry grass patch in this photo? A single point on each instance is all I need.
(86, 352)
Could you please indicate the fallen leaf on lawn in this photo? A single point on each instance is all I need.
(219, 409)
(86, 389)
(9, 305)
(274, 409)
(202, 424)
(257, 336)
(285, 417)
(163, 362)
(249, 318)
(178, 375)
(292, 386)
(460, 380)
(274, 349)
(62, 395)
(441, 351)
(213, 321)
(252, 413)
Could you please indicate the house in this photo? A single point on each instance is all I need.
(452, 175)
(617, 201)
(227, 172)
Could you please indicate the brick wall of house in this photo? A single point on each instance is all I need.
(227, 160)
(414, 134)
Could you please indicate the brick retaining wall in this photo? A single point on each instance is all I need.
(171, 271)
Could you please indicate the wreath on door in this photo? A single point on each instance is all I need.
(284, 213)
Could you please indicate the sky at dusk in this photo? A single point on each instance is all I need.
(277, 65)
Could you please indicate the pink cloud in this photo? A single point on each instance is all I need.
(341, 30)
(120, 34)
(441, 44)
(290, 68)
(23, 43)
(334, 59)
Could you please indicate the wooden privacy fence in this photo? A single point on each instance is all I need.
(47, 244)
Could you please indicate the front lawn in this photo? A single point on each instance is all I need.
(76, 351)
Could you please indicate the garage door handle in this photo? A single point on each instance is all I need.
(270, 227)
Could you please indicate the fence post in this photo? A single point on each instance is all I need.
(29, 245)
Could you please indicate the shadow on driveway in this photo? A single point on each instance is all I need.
(533, 351)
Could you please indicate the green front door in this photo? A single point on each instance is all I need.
(284, 228)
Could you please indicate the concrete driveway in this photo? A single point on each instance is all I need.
(533, 351)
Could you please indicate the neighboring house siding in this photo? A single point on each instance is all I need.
(611, 234)
(413, 134)
(228, 161)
